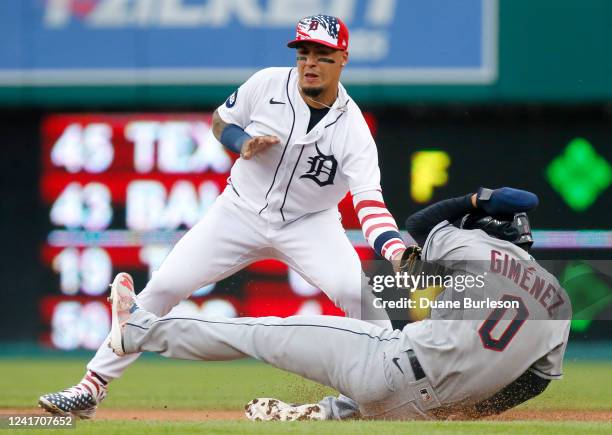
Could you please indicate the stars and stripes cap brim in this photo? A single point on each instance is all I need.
(321, 29)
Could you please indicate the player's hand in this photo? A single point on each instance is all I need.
(405, 261)
(256, 145)
(396, 261)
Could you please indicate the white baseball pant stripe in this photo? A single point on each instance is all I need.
(349, 355)
(230, 237)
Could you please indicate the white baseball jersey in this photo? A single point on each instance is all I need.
(468, 360)
(306, 172)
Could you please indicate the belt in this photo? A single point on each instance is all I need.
(417, 369)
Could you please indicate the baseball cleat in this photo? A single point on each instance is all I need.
(123, 302)
(71, 401)
(80, 400)
(276, 410)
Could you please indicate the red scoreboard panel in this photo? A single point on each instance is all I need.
(121, 189)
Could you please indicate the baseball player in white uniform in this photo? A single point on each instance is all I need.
(303, 144)
(437, 368)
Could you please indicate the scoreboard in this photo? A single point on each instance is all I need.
(120, 190)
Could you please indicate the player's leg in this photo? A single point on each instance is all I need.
(316, 246)
(346, 354)
(224, 241)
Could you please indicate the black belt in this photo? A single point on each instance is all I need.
(417, 369)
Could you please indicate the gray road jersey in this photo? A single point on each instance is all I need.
(470, 359)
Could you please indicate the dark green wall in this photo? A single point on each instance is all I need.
(549, 51)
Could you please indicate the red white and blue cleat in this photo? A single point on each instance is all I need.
(123, 304)
(80, 400)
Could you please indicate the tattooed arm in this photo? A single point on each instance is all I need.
(218, 125)
(237, 140)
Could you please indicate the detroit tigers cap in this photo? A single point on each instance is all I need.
(322, 29)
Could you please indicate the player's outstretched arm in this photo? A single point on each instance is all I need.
(378, 225)
(493, 202)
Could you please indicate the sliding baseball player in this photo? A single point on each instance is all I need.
(455, 364)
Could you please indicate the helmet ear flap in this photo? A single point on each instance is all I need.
(523, 227)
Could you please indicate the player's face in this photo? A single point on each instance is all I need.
(319, 67)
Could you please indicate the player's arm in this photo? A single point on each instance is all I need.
(420, 224)
(378, 225)
(505, 200)
(360, 167)
(232, 118)
(218, 125)
(234, 138)
(527, 386)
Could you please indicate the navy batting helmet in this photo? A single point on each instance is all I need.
(514, 228)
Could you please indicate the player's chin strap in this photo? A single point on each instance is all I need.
(343, 108)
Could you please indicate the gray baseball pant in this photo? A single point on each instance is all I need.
(352, 356)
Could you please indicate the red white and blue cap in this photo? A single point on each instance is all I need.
(321, 29)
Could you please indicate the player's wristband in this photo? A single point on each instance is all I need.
(233, 137)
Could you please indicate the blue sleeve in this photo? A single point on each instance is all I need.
(419, 224)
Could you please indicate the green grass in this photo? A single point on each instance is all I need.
(190, 385)
(157, 383)
(339, 428)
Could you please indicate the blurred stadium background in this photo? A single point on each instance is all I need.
(105, 109)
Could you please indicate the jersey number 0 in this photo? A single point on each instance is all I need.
(487, 327)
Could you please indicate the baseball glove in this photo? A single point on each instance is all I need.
(410, 262)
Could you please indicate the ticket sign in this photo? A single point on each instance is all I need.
(179, 41)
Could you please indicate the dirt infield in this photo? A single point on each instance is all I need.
(555, 415)
(210, 415)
